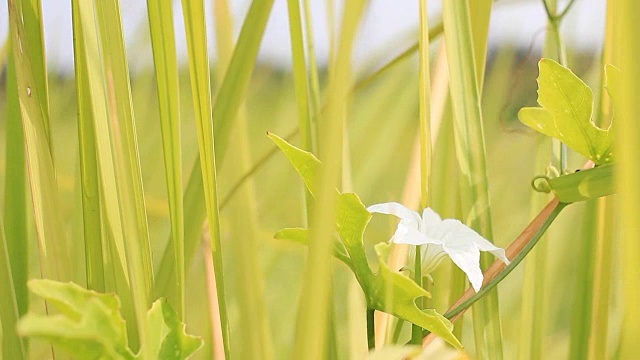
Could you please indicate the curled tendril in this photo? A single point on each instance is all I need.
(540, 183)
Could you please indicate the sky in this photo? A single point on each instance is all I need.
(388, 25)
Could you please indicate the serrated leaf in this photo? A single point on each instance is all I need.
(386, 290)
(567, 107)
(168, 337)
(90, 325)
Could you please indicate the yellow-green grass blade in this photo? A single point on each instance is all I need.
(470, 143)
(124, 255)
(89, 177)
(125, 141)
(238, 74)
(166, 69)
(314, 302)
(314, 82)
(11, 345)
(301, 82)
(424, 87)
(32, 18)
(627, 15)
(195, 24)
(252, 331)
(16, 193)
(54, 255)
(239, 70)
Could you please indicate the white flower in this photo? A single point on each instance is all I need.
(441, 237)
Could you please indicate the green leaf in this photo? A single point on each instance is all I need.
(387, 290)
(567, 107)
(396, 294)
(305, 163)
(90, 325)
(168, 337)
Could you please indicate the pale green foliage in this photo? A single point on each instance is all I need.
(90, 325)
(385, 290)
(567, 108)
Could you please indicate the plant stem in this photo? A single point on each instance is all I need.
(416, 331)
(371, 333)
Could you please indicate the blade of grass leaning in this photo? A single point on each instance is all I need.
(312, 323)
(11, 345)
(242, 63)
(166, 70)
(127, 264)
(469, 135)
(89, 177)
(16, 192)
(627, 15)
(54, 255)
(195, 25)
(245, 243)
(314, 82)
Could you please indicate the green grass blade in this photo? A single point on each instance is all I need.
(15, 193)
(628, 138)
(166, 68)
(238, 74)
(126, 154)
(91, 204)
(54, 255)
(469, 134)
(32, 18)
(11, 345)
(195, 25)
(314, 302)
(118, 209)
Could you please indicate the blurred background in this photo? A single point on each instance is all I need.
(382, 126)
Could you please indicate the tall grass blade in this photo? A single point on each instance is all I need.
(166, 69)
(627, 15)
(89, 177)
(195, 24)
(54, 255)
(11, 345)
(471, 153)
(314, 302)
(239, 74)
(16, 192)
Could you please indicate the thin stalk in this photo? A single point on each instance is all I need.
(425, 145)
(627, 15)
(416, 331)
(314, 82)
(371, 332)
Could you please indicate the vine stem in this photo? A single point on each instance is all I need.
(517, 251)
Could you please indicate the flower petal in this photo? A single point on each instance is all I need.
(461, 234)
(397, 209)
(408, 235)
(468, 260)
